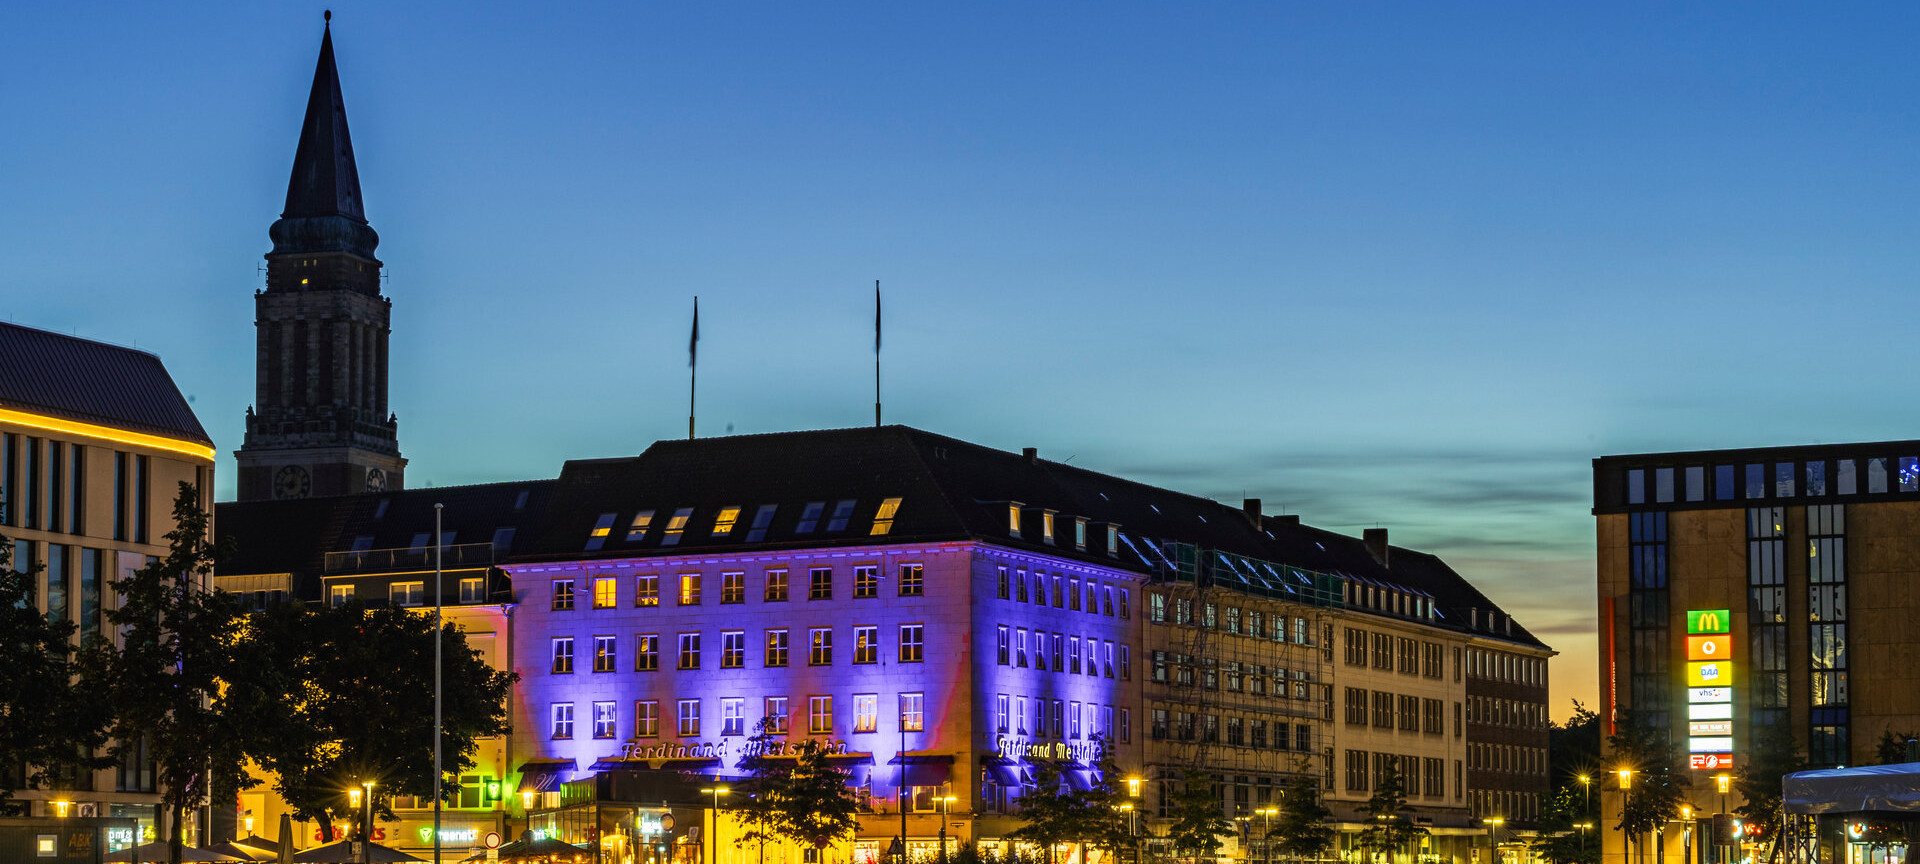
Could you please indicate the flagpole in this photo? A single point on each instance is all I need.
(439, 583)
(693, 366)
(876, 353)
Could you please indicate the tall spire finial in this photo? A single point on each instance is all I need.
(326, 18)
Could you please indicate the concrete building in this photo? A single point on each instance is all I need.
(95, 441)
(1754, 588)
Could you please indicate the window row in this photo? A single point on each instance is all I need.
(1389, 599)
(1065, 720)
(1383, 710)
(1061, 652)
(727, 519)
(43, 485)
(776, 649)
(1254, 678)
(1247, 622)
(73, 579)
(1762, 480)
(472, 590)
(774, 717)
(1505, 757)
(1389, 652)
(1506, 712)
(690, 588)
(1068, 592)
(1512, 806)
(1240, 731)
(1420, 777)
(1502, 666)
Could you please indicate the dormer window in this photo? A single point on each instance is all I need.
(597, 537)
(1013, 519)
(883, 520)
(1046, 527)
(520, 500)
(1113, 541)
(676, 526)
(842, 512)
(1080, 533)
(761, 519)
(380, 510)
(638, 529)
(723, 523)
(810, 517)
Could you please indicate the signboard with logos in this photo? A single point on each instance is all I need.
(1710, 689)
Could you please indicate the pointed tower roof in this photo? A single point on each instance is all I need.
(325, 181)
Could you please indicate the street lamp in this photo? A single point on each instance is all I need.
(714, 840)
(1493, 836)
(1266, 838)
(366, 825)
(946, 807)
(1626, 778)
(1586, 808)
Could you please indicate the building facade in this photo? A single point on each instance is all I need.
(1742, 590)
(95, 441)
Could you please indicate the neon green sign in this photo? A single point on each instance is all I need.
(1709, 621)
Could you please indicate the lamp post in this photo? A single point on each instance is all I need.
(714, 840)
(439, 551)
(1266, 838)
(1626, 783)
(946, 807)
(366, 823)
(1723, 782)
(1586, 808)
(1493, 837)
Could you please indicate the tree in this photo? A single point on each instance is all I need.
(1304, 832)
(46, 728)
(1562, 840)
(1049, 812)
(1197, 821)
(1773, 754)
(1655, 794)
(1389, 829)
(799, 796)
(342, 691)
(1574, 748)
(164, 681)
(1892, 749)
(1055, 813)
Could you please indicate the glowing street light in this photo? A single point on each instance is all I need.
(713, 840)
(1626, 778)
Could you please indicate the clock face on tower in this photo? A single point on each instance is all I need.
(376, 480)
(292, 482)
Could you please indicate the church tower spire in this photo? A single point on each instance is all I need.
(320, 424)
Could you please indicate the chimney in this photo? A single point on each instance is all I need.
(1376, 540)
(1251, 507)
(1288, 519)
(1031, 454)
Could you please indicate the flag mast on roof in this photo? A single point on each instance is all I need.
(876, 353)
(693, 365)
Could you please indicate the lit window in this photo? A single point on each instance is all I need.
(1020, 715)
(1080, 533)
(646, 589)
(1013, 519)
(842, 511)
(646, 652)
(866, 581)
(1020, 647)
(723, 523)
(603, 592)
(646, 719)
(562, 595)
(733, 587)
(603, 653)
(562, 713)
(776, 715)
(1003, 645)
(676, 526)
(689, 589)
(1046, 527)
(473, 590)
(406, 593)
(865, 645)
(777, 647)
(762, 518)
(820, 583)
(820, 652)
(638, 529)
(776, 586)
(689, 651)
(912, 580)
(603, 719)
(733, 716)
(810, 517)
(883, 520)
(866, 712)
(689, 717)
(913, 712)
(1113, 541)
(1000, 713)
(1040, 650)
(733, 649)
(563, 655)
(819, 714)
(596, 538)
(911, 642)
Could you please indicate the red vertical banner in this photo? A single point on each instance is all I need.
(1609, 704)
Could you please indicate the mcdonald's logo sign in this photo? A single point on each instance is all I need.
(1709, 621)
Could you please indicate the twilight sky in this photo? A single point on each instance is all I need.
(1379, 265)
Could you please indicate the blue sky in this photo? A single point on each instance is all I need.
(1377, 264)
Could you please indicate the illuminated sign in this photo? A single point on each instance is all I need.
(1718, 672)
(1710, 761)
(1709, 621)
(1710, 727)
(1714, 647)
(1710, 694)
(447, 835)
(1722, 711)
(1710, 745)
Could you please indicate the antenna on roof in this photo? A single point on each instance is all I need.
(693, 365)
(876, 353)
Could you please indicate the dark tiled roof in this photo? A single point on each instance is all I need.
(93, 382)
(950, 490)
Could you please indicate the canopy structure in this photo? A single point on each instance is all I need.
(347, 851)
(1866, 789)
(158, 851)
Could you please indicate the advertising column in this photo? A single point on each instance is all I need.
(1709, 690)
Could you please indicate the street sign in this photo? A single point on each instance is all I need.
(896, 848)
(493, 839)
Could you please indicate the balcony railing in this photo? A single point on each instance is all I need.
(409, 558)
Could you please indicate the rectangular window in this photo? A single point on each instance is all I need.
(597, 535)
(1001, 574)
(562, 714)
(604, 653)
(866, 644)
(604, 719)
(819, 715)
(1126, 663)
(1073, 720)
(820, 646)
(820, 583)
(762, 518)
(646, 590)
(562, 595)
(912, 580)
(912, 637)
(913, 712)
(689, 651)
(1040, 650)
(1020, 715)
(733, 716)
(406, 593)
(733, 649)
(122, 488)
(1003, 645)
(1356, 707)
(473, 590)
(809, 517)
(866, 582)
(689, 589)
(866, 712)
(883, 520)
(563, 655)
(603, 592)
(638, 530)
(723, 521)
(777, 647)
(140, 499)
(1057, 651)
(776, 715)
(646, 719)
(1000, 712)
(689, 713)
(1020, 647)
(646, 652)
(776, 586)
(733, 587)
(842, 512)
(676, 526)
(1126, 726)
